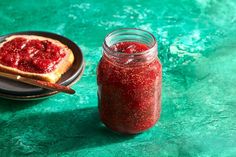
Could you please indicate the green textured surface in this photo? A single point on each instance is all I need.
(197, 46)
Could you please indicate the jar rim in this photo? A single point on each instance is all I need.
(116, 53)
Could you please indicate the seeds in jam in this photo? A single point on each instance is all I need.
(37, 56)
(129, 47)
(129, 97)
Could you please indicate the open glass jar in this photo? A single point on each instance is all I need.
(129, 77)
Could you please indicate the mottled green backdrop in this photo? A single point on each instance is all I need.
(197, 46)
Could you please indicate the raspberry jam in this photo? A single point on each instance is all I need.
(129, 78)
(129, 47)
(31, 55)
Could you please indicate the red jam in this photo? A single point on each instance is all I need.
(37, 56)
(129, 96)
(129, 47)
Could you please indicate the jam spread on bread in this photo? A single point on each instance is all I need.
(31, 55)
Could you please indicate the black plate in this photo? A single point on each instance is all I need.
(14, 88)
(37, 96)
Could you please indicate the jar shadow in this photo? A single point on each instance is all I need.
(52, 133)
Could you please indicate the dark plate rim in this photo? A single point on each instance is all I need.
(40, 96)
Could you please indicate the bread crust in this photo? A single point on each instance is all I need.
(52, 76)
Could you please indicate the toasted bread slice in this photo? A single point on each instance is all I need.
(53, 76)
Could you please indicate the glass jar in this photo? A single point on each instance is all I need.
(129, 82)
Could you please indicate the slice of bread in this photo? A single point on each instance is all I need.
(53, 76)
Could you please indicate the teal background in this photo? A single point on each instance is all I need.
(197, 46)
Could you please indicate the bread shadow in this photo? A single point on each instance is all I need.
(52, 133)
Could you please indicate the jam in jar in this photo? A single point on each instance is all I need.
(129, 78)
